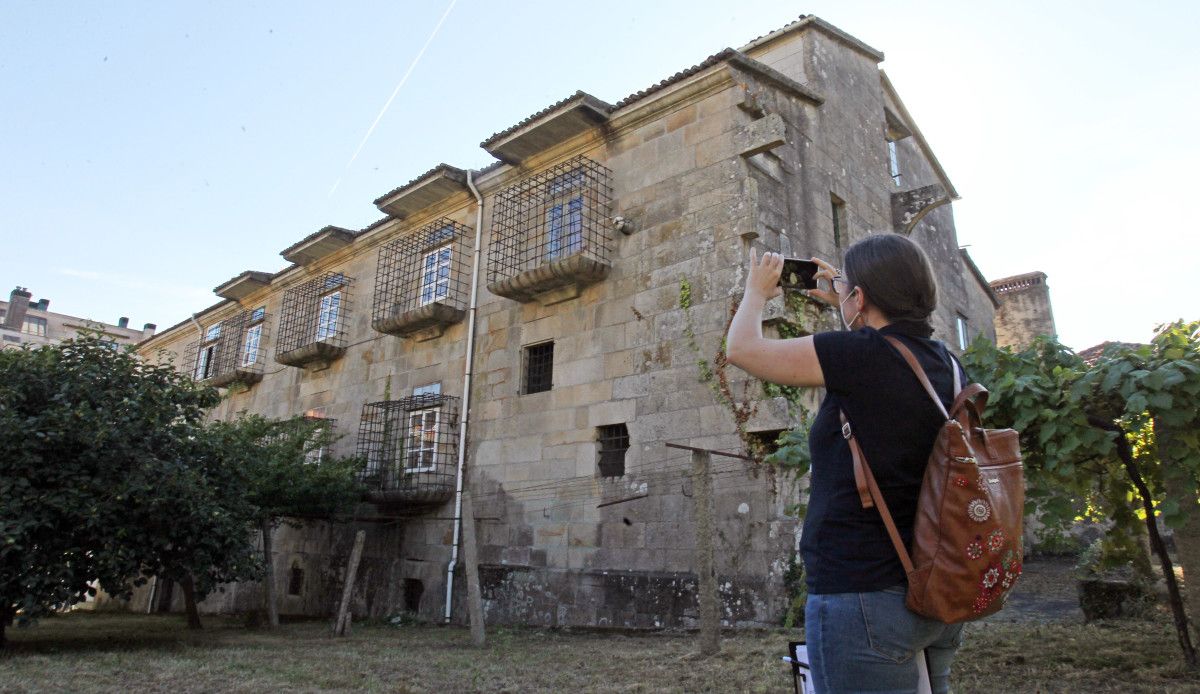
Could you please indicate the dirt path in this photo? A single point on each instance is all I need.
(1046, 593)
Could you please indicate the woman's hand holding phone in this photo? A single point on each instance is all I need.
(825, 272)
(763, 280)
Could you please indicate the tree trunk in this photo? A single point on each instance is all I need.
(189, 601)
(1125, 451)
(471, 569)
(269, 575)
(1183, 488)
(5, 620)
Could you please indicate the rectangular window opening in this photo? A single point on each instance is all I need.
(435, 275)
(764, 443)
(327, 316)
(960, 324)
(837, 210)
(614, 442)
(539, 367)
(422, 440)
(893, 162)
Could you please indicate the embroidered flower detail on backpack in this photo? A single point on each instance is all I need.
(1008, 579)
(981, 603)
(978, 510)
(960, 481)
(975, 549)
(990, 577)
(995, 540)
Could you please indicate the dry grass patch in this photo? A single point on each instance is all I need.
(121, 652)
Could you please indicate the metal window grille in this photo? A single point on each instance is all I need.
(562, 211)
(411, 447)
(315, 312)
(431, 265)
(614, 441)
(539, 367)
(230, 350)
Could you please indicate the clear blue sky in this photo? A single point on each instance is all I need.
(151, 150)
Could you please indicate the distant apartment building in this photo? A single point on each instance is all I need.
(555, 306)
(27, 322)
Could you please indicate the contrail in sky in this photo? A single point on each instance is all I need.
(396, 91)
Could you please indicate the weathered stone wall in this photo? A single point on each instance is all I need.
(1025, 311)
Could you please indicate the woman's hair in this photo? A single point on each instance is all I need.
(896, 276)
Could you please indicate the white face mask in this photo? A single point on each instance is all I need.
(848, 325)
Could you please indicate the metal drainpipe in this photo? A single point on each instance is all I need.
(466, 408)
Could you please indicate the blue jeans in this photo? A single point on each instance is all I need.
(866, 642)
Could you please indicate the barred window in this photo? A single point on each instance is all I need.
(539, 367)
(312, 326)
(614, 442)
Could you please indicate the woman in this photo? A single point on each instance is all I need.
(861, 637)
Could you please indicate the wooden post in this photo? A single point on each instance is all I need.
(341, 626)
(706, 589)
(471, 569)
(269, 575)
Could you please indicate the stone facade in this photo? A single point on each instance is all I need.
(1024, 312)
(26, 322)
(782, 145)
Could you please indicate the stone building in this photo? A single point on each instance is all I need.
(26, 322)
(541, 297)
(1024, 311)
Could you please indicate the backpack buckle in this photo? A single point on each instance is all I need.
(846, 431)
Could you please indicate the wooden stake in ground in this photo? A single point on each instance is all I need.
(471, 568)
(341, 626)
(269, 576)
(710, 636)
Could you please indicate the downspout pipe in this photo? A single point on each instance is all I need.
(466, 408)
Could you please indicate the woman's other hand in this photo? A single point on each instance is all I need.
(763, 280)
(826, 272)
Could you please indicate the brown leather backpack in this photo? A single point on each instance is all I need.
(966, 553)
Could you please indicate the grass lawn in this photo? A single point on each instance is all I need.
(83, 652)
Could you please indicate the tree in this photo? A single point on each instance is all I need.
(1101, 440)
(87, 431)
(288, 476)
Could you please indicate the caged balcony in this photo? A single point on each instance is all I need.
(231, 351)
(411, 449)
(312, 327)
(551, 233)
(423, 281)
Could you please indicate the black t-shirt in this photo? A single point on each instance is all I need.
(845, 547)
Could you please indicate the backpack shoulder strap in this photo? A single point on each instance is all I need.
(870, 495)
(911, 359)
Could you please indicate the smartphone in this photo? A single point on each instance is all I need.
(798, 274)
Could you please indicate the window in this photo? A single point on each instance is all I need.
(837, 209)
(435, 275)
(323, 432)
(565, 216)
(253, 337)
(893, 162)
(206, 356)
(423, 430)
(34, 325)
(422, 440)
(327, 316)
(960, 323)
(614, 441)
(539, 367)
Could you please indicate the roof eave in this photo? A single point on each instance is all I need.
(243, 285)
(424, 191)
(575, 115)
(318, 245)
